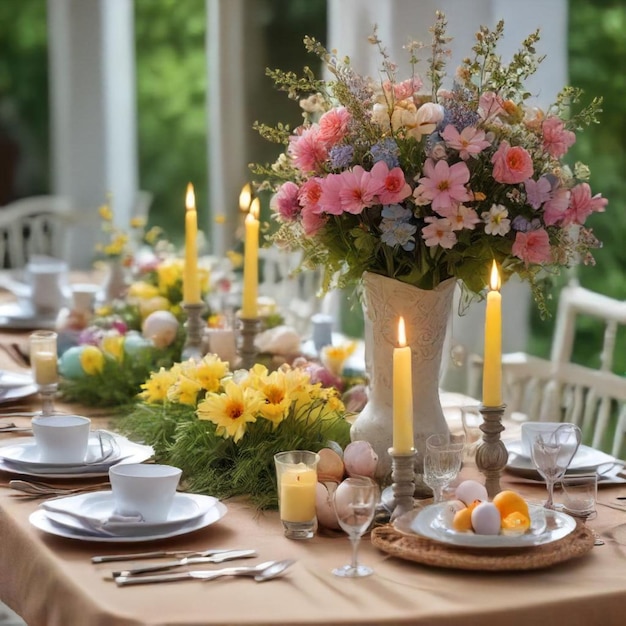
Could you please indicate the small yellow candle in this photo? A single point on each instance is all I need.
(249, 309)
(402, 394)
(297, 494)
(45, 368)
(191, 279)
(492, 367)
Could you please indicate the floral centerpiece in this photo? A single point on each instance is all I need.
(223, 428)
(422, 186)
(407, 188)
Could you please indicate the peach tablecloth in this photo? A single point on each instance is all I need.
(50, 581)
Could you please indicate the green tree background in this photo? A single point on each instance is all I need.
(171, 97)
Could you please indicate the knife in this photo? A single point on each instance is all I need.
(188, 560)
(157, 554)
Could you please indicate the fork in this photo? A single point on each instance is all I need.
(35, 489)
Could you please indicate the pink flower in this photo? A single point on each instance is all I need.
(312, 222)
(465, 217)
(532, 247)
(285, 202)
(309, 196)
(358, 190)
(393, 186)
(557, 140)
(555, 209)
(307, 151)
(490, 104)
(469, 142)
(582, 205)
(537, 191)
(444, 185)
(334, 126)
(511, 165)
(438, 233)
(330, 199)
(407, 88)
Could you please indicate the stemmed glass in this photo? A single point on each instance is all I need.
(44, 359)
(355, 501)
(552, 452)
(442, 462)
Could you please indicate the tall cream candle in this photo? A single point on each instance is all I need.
(402, 394)
(249, 309)
(492, 367)
(191, 279)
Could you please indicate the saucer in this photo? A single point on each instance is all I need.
(26, 455)
(87, 510)
(39, 519)
(129, 452)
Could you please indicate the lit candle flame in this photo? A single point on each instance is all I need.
(255, 208)
(245, 197)
(401, 333)
(190, 198)
(494, 282)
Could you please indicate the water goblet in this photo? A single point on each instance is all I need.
(44, 360)
(442, 462)
(580, 493)
(552, 452)
(355, 501)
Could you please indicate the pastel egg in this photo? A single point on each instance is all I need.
(135, 344)
(450, 509)
(161, 327)
(69, 363)
(486, 519)
(470, 490)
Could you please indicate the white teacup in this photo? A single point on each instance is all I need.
(61, 438)
(531, 429)
(47, 278)
(144, 489)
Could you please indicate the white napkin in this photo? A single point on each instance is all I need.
(101, 525)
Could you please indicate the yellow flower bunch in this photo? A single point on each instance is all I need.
(236, 401)
(117, 241)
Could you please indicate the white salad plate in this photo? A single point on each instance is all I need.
(585, 459)
(16, 316)
(129, 452)
(90, 512)
(39, 519)
(546, 526)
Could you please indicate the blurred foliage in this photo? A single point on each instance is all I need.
(597, 56)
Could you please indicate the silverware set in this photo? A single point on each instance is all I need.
(33, 490)
(137, 575)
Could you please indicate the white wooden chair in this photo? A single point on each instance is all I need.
(557, 389)
(35, 225)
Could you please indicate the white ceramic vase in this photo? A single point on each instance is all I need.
(426, 314)
(115, 281)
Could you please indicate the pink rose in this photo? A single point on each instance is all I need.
(285, 202)
(511, 165)
(334, 126)
(532, 247)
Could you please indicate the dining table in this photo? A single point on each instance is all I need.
(51, 581)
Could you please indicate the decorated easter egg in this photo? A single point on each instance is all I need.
(161, 328)
(69, 363)
(136, 344)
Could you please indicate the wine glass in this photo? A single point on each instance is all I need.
(442, 462)
(355, 501)
(44, 361)
(552, 452)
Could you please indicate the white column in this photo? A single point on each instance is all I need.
(226, 116)
(93, 110)
(400, 21)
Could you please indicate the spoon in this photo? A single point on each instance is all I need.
(260, 573)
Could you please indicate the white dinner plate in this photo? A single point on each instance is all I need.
(546, 526)
(129, 452)
(94, 507)
(17, 393)
(9, 380)
(585, 459)
(39, 519)
(17, 317)
(26, 456)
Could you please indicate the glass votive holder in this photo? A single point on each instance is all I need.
(296, 479)
(44, 364)
(579, 495)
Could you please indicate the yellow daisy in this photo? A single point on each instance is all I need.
(210, 372)
(91, 360)
(113, 344)
(156, 387)
(275, 390)
(185, 391)
(232, 410)
(334, 357)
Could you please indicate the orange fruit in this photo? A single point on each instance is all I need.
(509, 502)
(463, 519)
(515, 523)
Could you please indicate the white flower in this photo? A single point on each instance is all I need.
(496, 220)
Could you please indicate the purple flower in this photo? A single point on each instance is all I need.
(341, 157)
(386, 150)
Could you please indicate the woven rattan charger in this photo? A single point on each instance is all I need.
(430, 552)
